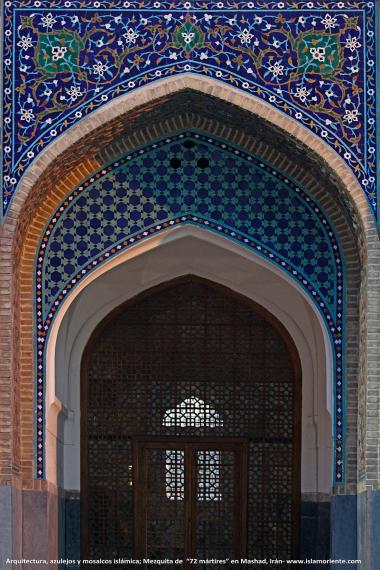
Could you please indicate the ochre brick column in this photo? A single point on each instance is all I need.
(6, 350)
(25, 325)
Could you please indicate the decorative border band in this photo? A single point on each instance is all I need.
(314, 61)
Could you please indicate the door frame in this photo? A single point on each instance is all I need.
(240, 448)
(297, 398)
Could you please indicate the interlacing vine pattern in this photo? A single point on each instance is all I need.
(314, 61)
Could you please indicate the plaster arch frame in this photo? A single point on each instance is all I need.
(129, 266)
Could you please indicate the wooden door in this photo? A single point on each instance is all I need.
(190, 499)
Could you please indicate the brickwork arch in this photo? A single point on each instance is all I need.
(87, 147)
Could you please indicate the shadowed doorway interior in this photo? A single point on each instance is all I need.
(191, 401)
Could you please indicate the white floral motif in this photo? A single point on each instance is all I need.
(130, 36)
(25, 42)
(58, 52)
(276, 69)
(302, 93)
(188, 37)
(74, 92)
(48, 21)
(27, 115)
(99, 69)
(351, 115)
(353, 44)
(318, 53)
(245, 36)
(329, 22)
(354, 69)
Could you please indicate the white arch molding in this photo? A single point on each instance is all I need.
(179, 251)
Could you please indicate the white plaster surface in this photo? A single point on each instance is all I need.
(180, 251)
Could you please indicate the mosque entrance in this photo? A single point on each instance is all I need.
(190, 429)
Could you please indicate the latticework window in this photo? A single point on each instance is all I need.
(193, 412)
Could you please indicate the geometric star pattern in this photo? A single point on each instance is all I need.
(197, 178)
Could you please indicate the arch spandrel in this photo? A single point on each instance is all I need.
(190, 178)
(66, 74)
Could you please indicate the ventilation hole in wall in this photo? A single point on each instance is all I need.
(203, 163)
(175, 162)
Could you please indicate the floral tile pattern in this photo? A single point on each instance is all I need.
(313, 60)
(189, 178)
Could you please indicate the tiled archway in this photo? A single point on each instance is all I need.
(189, 178)
(85, 157)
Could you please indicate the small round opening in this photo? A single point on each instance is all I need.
(203, 163)
(175, 162)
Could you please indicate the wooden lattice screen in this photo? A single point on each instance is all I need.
(186, 365)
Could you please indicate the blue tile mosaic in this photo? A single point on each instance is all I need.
(191, 178)
(313, 60)
(195, 178)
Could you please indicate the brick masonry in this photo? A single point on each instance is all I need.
(176, 104)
